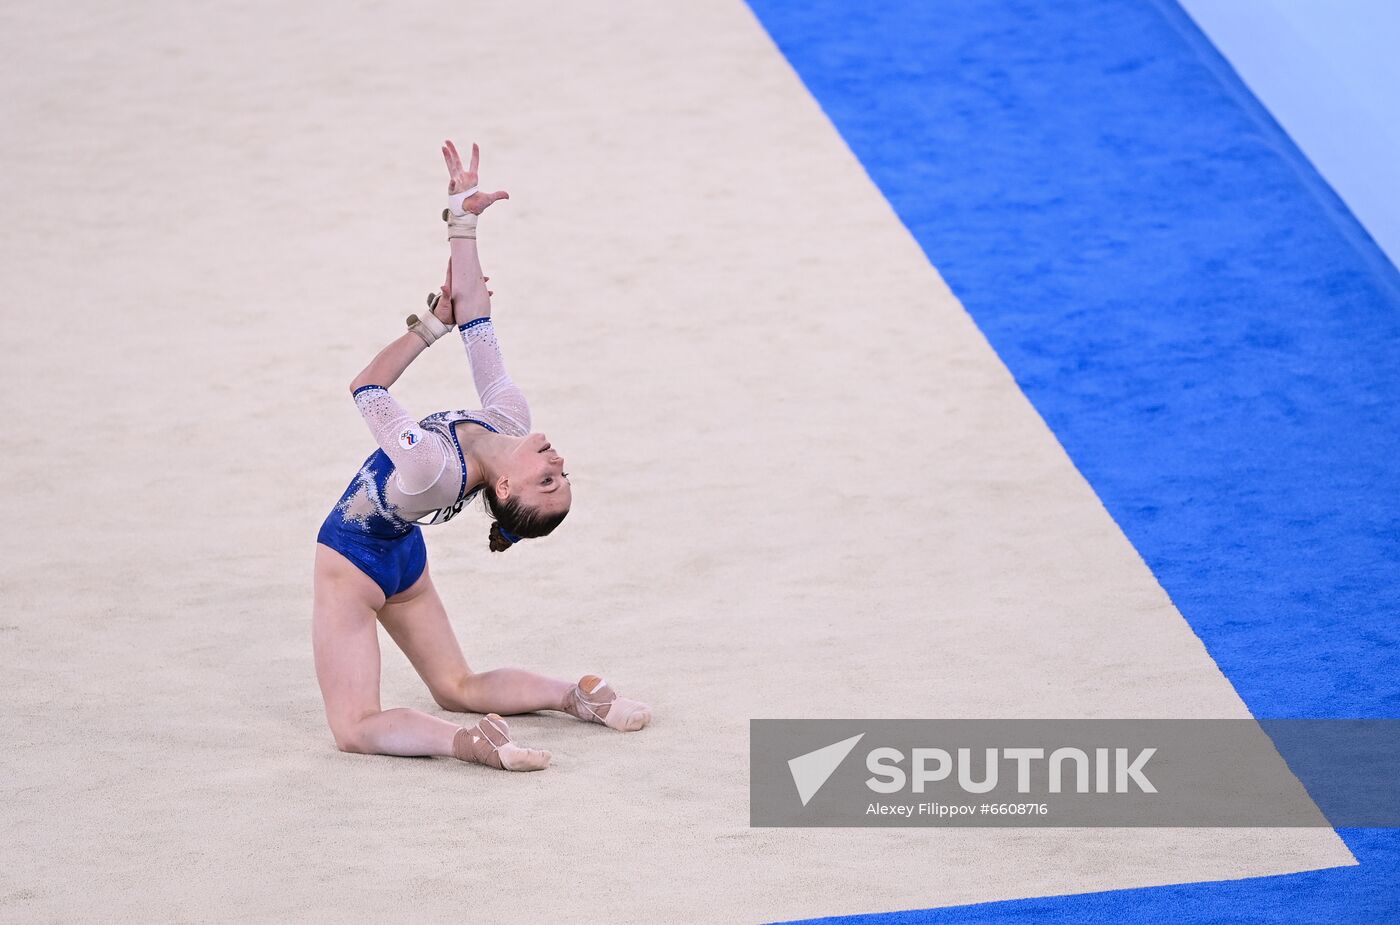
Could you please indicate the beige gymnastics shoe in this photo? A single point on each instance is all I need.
(594, 701)
(488, 743)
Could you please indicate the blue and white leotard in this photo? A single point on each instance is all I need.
(419, 473)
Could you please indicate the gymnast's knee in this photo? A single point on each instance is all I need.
(453, 695)
(352, 736)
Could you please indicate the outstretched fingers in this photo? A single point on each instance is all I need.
(458, 179)
(462, 179)
(454, 160)
(454, 172)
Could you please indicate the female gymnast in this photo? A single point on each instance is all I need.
(370, 557)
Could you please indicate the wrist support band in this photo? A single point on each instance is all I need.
(429, 328)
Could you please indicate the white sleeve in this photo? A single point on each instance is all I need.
(498, 393)
(419, 456)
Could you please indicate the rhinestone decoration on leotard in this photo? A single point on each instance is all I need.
(418, 471)
(503, 404)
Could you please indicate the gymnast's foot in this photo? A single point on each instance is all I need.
(488, 743)
(592, 700)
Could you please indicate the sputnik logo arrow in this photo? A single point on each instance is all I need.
(812, 770)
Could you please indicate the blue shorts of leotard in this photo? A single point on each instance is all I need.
(394, 563)
(382, 545)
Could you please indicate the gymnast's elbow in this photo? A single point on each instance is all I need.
(359, 382)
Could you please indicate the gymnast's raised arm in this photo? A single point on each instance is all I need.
(471, 300)
(464, 294)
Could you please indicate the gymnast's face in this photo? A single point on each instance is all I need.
(535, 474)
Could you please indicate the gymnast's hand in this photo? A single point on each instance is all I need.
(443, 309)
(459, 179)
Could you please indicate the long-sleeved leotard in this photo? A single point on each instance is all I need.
(419, 474)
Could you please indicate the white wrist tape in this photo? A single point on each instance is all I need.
(454, 202)
(429, 328)
(460, 222)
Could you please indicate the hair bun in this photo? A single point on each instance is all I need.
(499, 541)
